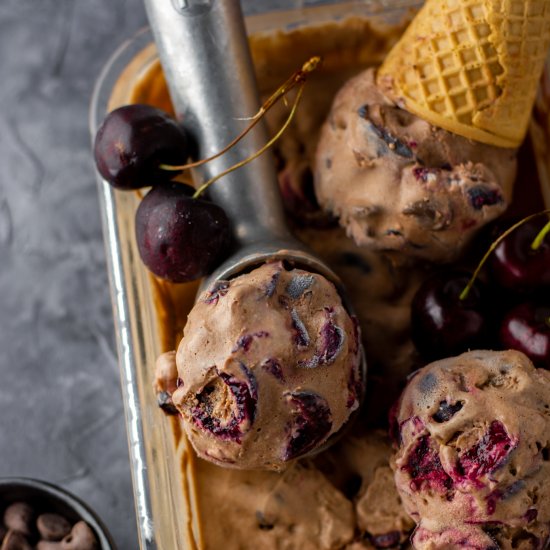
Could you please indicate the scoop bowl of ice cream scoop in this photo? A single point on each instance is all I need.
(473, 459)
(397, 183)
(269, 368)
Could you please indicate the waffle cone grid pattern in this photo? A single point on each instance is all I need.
(473, 66)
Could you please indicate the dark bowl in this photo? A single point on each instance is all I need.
(45, 497)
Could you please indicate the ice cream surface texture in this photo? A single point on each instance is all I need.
(339, 499)
(269, 368)
(397, 183)
(473, 464)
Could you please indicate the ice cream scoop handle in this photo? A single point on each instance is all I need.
(205, 55)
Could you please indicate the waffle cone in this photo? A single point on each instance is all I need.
(472, 66)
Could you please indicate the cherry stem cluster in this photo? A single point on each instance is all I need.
(298, 78)
(260, 151)
(534, 246)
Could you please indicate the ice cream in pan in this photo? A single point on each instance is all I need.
(279, 528)
(417, 156)
(414, 158)
(437, 188)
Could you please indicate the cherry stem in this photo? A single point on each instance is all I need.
(249, 159)
(536, 244)
(298, 77)
(468, 287)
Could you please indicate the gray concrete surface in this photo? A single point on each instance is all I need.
(61, 416)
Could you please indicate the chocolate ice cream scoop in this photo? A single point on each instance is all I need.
(473, 458)
(397, 183)
(204, 52)
(269, 368)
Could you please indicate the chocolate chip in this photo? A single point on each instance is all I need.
(300, 334)
(263, 523)
(272, 285)
(245, 341)
(363, 111)
(393, 143)
(446, 411)
(164, 401)
(218, 289)
(428, 383)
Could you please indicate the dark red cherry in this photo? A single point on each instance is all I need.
(515, 265)
(442, 324)
(180, 238)
(133, 141)
(526, 328)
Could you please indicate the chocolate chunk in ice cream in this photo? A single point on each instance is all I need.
(268, 369)
(395, 182)
(473, 459)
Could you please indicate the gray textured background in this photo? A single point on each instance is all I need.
(60, 405)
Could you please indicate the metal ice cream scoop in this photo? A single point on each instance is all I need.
(204, 52)
(205, 56)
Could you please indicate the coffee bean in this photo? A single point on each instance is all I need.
(52, 527)
(81, 538)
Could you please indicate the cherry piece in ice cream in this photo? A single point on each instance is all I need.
(488, 454)
(424, 467)
(232, 424)
(310, 423)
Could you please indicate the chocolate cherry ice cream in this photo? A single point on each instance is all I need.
(268, 369)
(473, 459)
(398, 183)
